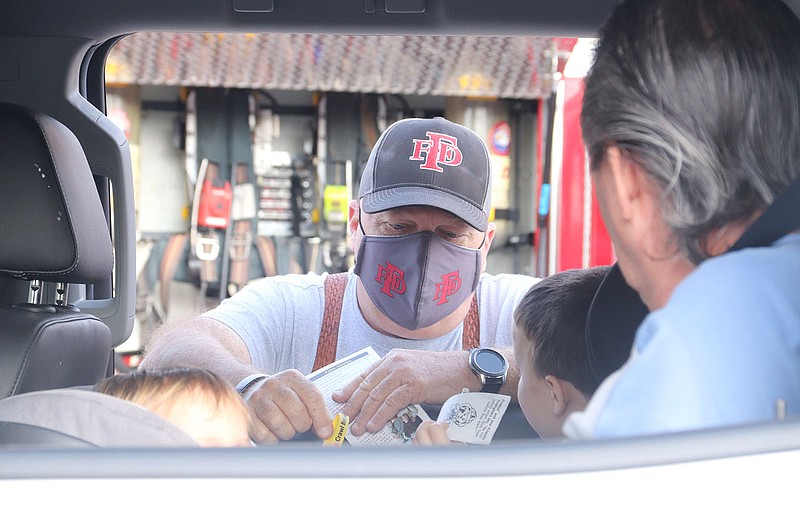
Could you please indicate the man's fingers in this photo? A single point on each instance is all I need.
(275, 423)
(280, 416)
(288, 403)
(346, 394)
(379, 403)
(383, 404)
(359, 390)
(362, 406)
(259, 431)
(316, 411)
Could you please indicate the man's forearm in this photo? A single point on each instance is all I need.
(199, 342)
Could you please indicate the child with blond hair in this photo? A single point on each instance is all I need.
(199, 402)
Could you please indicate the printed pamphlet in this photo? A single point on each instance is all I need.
(398, 431)
(473, 416)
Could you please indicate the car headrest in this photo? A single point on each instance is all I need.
(48, 196)
(614, 316)
(94, 418)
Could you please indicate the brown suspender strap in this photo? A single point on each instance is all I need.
(241, 241)
(335, 285)
(266, 253)
(169, 263)
(471, 335)
(329, 334)
(241, 234)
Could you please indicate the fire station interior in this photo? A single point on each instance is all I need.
(244, 164)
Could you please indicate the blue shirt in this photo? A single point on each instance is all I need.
(724, 350)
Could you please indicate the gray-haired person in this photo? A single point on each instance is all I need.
(418, 295)
(691, 116)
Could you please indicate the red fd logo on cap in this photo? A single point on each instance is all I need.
(439, 150)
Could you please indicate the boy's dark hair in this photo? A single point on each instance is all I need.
(552, 316)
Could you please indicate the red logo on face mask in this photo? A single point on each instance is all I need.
(392, 278)
(439, 150)
(449, 285)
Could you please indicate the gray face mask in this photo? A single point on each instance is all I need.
(419, 279)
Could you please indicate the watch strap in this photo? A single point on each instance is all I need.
(491, 387)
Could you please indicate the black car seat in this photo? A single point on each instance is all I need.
(54, 238)
(614, 316)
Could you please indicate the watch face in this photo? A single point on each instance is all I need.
(490, 362)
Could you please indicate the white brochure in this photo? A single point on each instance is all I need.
(398, 431)
(473, 416)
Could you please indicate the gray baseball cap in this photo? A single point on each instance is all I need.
(429, 161)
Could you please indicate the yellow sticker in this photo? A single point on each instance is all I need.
(340, 425)
(335, 204)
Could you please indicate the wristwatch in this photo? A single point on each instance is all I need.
(490, 366)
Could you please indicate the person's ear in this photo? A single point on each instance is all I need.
(627, 181)
(558, 395)
(354, 213)
(487, 243)
(637, 200)
(490, 230)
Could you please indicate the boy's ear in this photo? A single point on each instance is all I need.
(558, 395)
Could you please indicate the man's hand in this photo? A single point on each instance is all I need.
(287, 403)
(401, 378)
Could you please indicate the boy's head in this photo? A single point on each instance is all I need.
(550, 348)
(199, 402)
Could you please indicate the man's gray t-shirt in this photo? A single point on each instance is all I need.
(279, 319)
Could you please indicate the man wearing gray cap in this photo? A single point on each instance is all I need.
(418, 295)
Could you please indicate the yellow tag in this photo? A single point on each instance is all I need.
(340, 425)
(335, 204)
